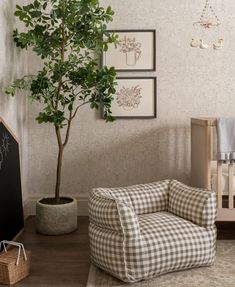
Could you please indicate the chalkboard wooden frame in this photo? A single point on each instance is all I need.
(12, 222)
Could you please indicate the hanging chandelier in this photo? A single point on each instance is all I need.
(207, 21)
(208, 18)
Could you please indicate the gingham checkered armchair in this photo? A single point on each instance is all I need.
(145, 230)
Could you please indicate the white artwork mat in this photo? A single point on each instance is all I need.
(134, 98)
(135, 51)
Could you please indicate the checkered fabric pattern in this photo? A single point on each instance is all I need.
(103, 211)
(144, 198)
(173, 243)
(113, 214)
(194, 204)
(132, 244)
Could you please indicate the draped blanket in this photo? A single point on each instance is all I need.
(226, 139)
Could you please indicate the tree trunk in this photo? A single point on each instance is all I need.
(59, 164)
(58, 173)
(61, 147)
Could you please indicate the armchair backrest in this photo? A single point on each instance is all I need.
(143, 198)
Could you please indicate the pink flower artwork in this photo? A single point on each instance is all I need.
(129, 98)
(131, 48)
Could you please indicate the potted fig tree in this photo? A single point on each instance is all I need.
(69, 36)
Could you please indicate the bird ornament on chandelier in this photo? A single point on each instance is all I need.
(208, 21)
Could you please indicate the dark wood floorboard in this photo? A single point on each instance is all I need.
(63, 261)
(226, 231)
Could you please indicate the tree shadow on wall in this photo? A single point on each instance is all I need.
(154, 155)
(13, 65)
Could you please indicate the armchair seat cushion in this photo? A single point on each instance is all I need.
(172, 243)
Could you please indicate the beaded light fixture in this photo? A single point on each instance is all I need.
(208, 20)
(208, 17)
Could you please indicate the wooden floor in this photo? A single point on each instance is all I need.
(60, 261)
(226, 231)
(63, 261)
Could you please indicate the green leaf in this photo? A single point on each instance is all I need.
(44, 6)
(18, 7)
(10, 91)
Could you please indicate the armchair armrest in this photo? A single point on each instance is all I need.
(111, 213)
(194, 204)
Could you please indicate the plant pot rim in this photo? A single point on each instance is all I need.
(56, 205)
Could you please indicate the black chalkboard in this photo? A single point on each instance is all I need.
(11, 209)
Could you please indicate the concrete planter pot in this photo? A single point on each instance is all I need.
(56, 219)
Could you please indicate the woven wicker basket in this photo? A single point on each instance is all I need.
(13, 265)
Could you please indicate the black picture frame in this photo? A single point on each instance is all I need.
(154, 115)
(153, 47)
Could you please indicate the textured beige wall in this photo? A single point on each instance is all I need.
(13, 64)
(191, 82)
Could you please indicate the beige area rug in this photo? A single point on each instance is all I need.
(221, 274)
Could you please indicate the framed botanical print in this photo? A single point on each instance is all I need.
(135, 51)
(135, 97)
